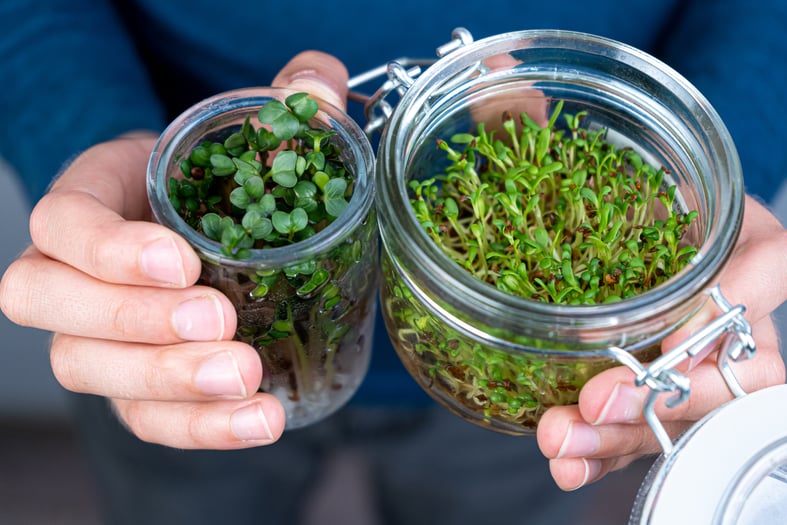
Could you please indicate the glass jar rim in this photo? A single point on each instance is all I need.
(202, 113)
(455, 285)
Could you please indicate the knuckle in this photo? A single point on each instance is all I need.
(161, 375)
(196, 427)
(126, 318)
(101, 248)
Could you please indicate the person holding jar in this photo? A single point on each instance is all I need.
(166, 402)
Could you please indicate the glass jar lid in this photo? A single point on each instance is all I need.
(729, 468)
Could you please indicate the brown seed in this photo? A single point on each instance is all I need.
(197, 173)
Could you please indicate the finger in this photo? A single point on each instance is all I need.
(563, 433)
(612, 397)
(83, 221)
(219, 425)
(38, 291)
(318, 74)
(607, 422)
(574, 473)
(182, 372)
(578, 453)
(756, 276)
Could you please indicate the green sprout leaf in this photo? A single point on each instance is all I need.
(335, 203)
(266, 140)
(257, 226)
(284, 124)
(283, 168)
(254, 187)
(303, 107)
(290, 223)
(240, 198)
(213, 225)
(553, 212)
(238, 192)
(222, 165)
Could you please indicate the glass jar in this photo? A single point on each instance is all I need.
(500, 360)
(313, 327)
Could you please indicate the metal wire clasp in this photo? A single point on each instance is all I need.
(401, 74)
(662, 377)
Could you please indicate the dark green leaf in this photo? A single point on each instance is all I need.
(335, 188)
(258, 227)
(235, 141)
(302, 106)
(255, 187)
(281, 222)
(200, 156)
(268, 203)
(283, 168)
(283, 123)
(299, 219)
(222, 165)
(244, 171)
(315, 159)
(240, 198)
(335, 202)
(266, 140)
(305, 188)
(185, 167)
(211, 226)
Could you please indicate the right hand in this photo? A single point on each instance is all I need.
(119, 293)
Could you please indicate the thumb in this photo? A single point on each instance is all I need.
(318, 74)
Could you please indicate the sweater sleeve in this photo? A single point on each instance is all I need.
(735, 53)
(71, 79)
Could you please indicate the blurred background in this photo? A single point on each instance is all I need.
(43, 479)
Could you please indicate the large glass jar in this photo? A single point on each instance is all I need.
(313, 327)
(500, 360)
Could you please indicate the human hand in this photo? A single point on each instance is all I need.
(605, 431)
(119, 293)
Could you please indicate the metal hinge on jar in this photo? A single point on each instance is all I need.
(662, 377)
(401, 74)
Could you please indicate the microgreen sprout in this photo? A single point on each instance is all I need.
(554, 213)
(254, 187)
(560, 216)
(235, 196)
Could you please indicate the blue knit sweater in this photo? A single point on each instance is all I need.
(76, 72)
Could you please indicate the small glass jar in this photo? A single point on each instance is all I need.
(313, 334)
(496, 359)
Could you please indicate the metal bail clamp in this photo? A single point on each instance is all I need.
(401, 74)
(662, 377)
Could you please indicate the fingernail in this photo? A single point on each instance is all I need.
(249, 424)
(220, 376)
(161, 261)
(581, 440)
(199, 319)
(592, 470)
(623, 406)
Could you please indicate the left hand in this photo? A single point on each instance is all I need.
(605, 431)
